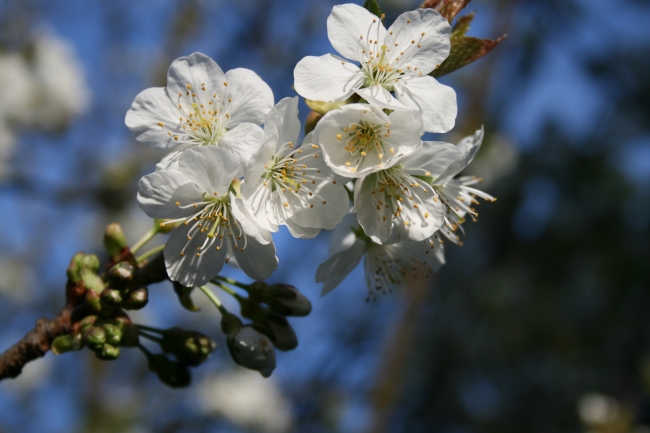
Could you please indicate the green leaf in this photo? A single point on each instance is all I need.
(373, 7)
(465, 50)
(462, 25)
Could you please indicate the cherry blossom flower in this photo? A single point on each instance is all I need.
(396, 60)
(359, 139)
(202, 106)
(290, 184)
(215, 224)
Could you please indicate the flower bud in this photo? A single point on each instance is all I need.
(111, 297)
(91, 262)
(93, 300)
(85, 323)
(130, 336)
(184, 296)
(278, 329)
(75, 267)
(114, 240)
(252, 350)
(113, 333)
(67, 343)
(189, 347)
(169, 372)
(281, 298)
(121, 275)
(95, 337)
(136, 299)
(230, 324)
(91, 280)
(107, 352)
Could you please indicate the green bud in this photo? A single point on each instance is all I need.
(113, 333)
(93, 300)
(91, 262)
(114, 240)
(136, 299)
(230, 324)
(107, 352)
(87, 322)
(184, 296)
(281, 298)
(91, 280)
(95, 337)
(278, 329)
(111, 297)
(121, 275)
(74, 268)
(67, 343)
(189, 347)
(130, 337)
(170, 372)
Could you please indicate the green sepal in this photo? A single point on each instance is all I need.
(373, 7)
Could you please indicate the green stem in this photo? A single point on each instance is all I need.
(212, 297)
(150, 337)
(226, 289)
(231, 282)
(150, 329)
(144, 256)
(146, 238)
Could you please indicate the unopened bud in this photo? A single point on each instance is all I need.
(252, 350)
(136, 299)
(170, 372)
(95, 337)
(107, 352)
(130, 337)
(113, 333)
(91, 261)
(86, 323)
(67, 343)
(93, 300)
(91, 280)
(111, 297)
(121, 275)
(114, 240)
(281, 298)
(75, 267)
(278, 329)
(189, 347)
(230, 324)
(184, 296)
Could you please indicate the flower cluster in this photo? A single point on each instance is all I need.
(227, 183)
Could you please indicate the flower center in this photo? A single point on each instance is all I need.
(390, 190)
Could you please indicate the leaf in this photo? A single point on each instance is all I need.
(465, 50)
(462, 25)
(373, 7)
(447, 8)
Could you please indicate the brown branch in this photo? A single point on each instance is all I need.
(37, 342)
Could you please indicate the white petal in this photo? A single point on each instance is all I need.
(282, 124)
(247, 222)
(191, 270)
(170, 161)
(351, 27)
(256, 198)
(327, 78)
(422, 221)
(407, 31)
(301, 232)
(243, 141)
(435, 101)
(336, 268)
(377, 223)
(343, 235)
(251, 97)
(377, 95)
(151, 107)
(257, 261)
(196, 69)
(469, 146)
(405, 132)
(210, 167)
(160, 190)
(433, 157)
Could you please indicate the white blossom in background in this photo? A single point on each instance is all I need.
(215, 224)
(7, 143)
(458, 194)
(398, 202)
(396, 60)
(290, 184)
(62, 92)
(386, 265)
(246, 400)
(202, 106)
(359, 139)
(17, 89)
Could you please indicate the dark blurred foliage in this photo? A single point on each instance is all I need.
(545, 304)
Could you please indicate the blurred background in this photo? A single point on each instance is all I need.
(539, 323)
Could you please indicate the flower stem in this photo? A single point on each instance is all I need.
(231, 282)
(144, 256)
(150, 329)
(146, 238)
(150, 337)
(212, 297)
(226, 289)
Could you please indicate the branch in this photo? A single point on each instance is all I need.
(37, 342)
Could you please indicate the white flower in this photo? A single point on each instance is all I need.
(397, 202)
(386, 265)
(395, 60)
(359, 139)
(215, 223)
(202, 106)
(289, 184)
(457, 194)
